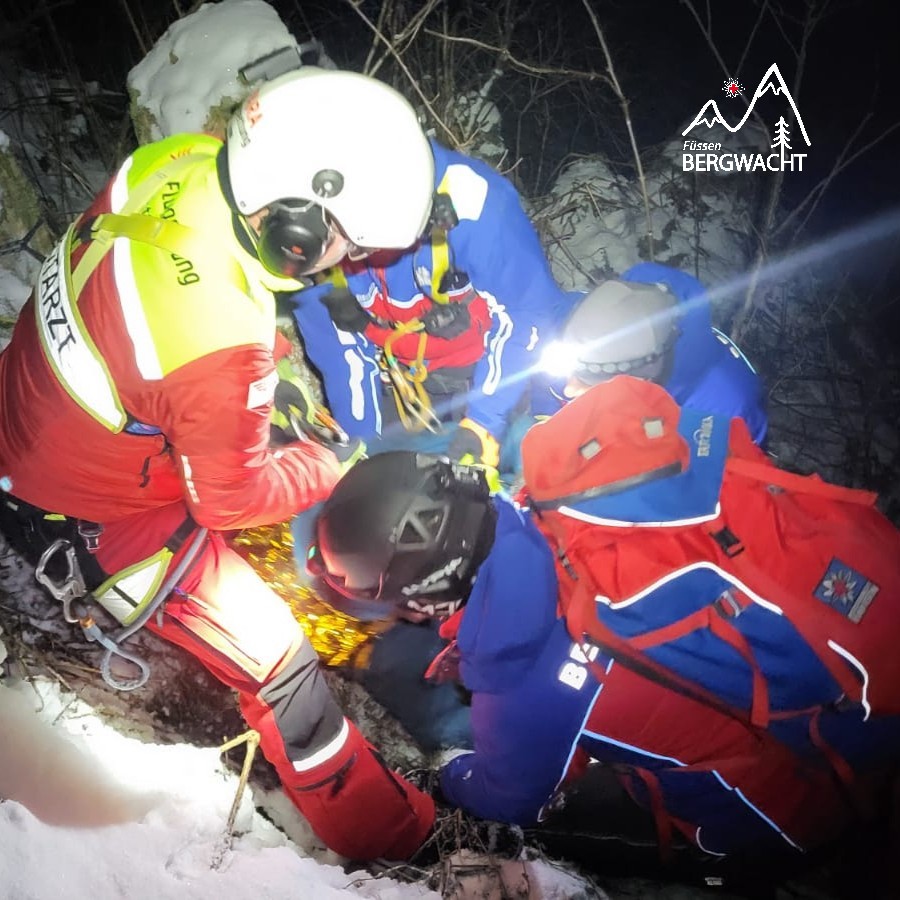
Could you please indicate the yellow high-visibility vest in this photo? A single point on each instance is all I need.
(185, 285)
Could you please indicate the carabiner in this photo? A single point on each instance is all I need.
(70, 589)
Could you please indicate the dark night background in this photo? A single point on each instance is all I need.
(667, 71)
(847, 97)
(662, 59)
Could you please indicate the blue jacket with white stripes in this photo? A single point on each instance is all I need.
(497, 246)
(526, 714)
(541, 708)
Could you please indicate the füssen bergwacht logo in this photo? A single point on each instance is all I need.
(708, 156)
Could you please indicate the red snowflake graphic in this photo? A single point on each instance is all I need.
(840, 586)
(732, 87)
(840, 589)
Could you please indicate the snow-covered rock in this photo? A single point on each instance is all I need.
(595, 223)
(190, 80)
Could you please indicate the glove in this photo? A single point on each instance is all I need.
(472, 440)
(349, 454)
(345, 311)
(447, 320)
(297, 416)
(294, 410)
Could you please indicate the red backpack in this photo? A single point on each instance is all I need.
(766, 599)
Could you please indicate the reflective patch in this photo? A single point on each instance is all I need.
(127, 593)
(189, 479)
(262, 392)
(467, 189)
(846, 591)
(69, 348)
(496, 342)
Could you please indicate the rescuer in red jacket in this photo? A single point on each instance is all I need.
(136, 394)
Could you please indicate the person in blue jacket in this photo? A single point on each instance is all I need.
(419, 536)
(654, 323)
(461, 315)
(479, 291)
(410, 498)
(437, 544)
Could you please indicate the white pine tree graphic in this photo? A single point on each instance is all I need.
(782, 138)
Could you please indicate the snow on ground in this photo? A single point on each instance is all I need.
(91, 811)
(100, 795)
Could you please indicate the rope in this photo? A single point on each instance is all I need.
(113, 644)
(413, 403)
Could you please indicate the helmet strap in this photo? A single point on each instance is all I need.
(245, 237)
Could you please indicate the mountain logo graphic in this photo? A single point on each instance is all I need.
(771, 81)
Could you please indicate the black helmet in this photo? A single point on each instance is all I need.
(403, 529)
(620, 327)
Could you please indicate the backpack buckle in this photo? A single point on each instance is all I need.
(727, 605)
(729, 543)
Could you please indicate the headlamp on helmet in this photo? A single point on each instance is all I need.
(618, 328)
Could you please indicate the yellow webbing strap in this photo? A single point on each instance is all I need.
(164, 234)
(335, 275)
(138, 199)
(440, 252)
(412, 400)
(440, 263)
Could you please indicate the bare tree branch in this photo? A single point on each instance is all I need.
(507, 57)
(765, 232)
(843, 160)
(763, 9)
(415, 85)
(706, 31)
(623, 101)
(403, 38)
(379, 28)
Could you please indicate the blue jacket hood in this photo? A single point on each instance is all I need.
(709, 371)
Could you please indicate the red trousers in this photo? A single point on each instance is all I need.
(223, 614)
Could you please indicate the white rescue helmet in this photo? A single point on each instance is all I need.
(321, 146)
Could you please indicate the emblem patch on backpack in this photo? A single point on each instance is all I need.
(846, 591)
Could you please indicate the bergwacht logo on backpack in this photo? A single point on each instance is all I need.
(845, 590)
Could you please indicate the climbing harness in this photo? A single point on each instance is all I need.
(408, 382)
(70, 590)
